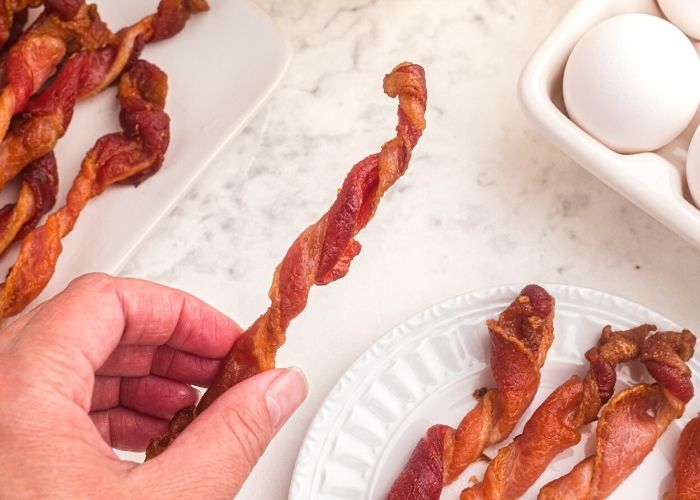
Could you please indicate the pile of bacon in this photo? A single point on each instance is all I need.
(629, 422)
(65, 55)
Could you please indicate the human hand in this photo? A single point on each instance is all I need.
(107, 363)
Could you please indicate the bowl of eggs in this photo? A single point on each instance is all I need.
(616, 86)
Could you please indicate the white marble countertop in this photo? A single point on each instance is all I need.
(486, 201)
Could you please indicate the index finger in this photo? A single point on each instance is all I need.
(97, 312)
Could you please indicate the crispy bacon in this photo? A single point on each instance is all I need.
(520, 339)
(85, 73)
(632, 422)
(10, 10)
(128, 156)
(555, 425)
(686, 473)
(323, 252)
(37, 195)
(39, 51)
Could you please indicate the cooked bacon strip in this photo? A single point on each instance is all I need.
(633, 421)
(37, 195)
(520, 339)
(127, 157)
(686, 473)
(555, 425)
(39, 51)
(85, 73)
(323, 252)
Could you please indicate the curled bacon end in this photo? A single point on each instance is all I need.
(172, 16)
(632, 422)
(665, 355)
(520, 339)
(323, 251)
(37, 196)
(686, 473)
(115, 157)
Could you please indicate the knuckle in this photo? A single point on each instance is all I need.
(90, 280)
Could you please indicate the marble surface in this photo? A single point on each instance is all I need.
(486, 201)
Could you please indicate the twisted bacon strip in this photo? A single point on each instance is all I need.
(686, 474)
(35, 57)
(520, 340)
(633, 421)
(323, 252)
(85, 73)
(37, 195)
(129, 157)
(554, 425)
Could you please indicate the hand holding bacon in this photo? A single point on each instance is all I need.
(520, 339)
(686, 473)
(555, 425)
(633, 421)
(128, 157)
(323, 252)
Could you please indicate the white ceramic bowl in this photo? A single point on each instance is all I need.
(654, 181)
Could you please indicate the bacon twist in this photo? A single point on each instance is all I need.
(128, 157)
(39, 51)
(555, 425)
(323, 252)
(520, 339)
(37, 195)
(85, 73)
(633, 421)
(686, 473)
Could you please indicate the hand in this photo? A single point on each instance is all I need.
(106, 364)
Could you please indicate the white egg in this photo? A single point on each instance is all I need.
(683, 13)
(692, 167)
(633, 82)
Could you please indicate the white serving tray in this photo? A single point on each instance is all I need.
(654, 181)
(221, 68)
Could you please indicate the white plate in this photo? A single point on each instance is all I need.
(653, 181)
(424, 371)
(221, 68)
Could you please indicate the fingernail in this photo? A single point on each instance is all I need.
(285, 395)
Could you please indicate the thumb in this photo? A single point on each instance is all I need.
(216, 453)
